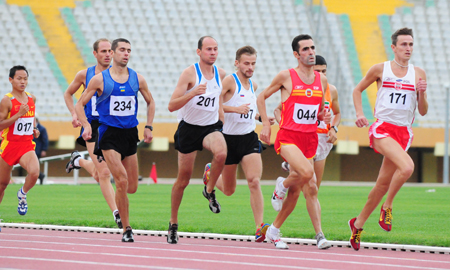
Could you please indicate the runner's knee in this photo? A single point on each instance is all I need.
(253, 183)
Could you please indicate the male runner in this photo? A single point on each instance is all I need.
(302, 98)
(401, 88)
(198, 98)
(18, 125)
(102, 52)
(117, 90)
(327, 132)
(239, 104)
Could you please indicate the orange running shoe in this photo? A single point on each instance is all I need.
(260, 234)
(385, 220)
(355, 239)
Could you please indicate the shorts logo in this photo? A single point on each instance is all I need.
(308, 92)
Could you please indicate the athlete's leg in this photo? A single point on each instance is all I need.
(131, 165)
(101, 171)
(5, 176)
(310, 191)
(227, 180)
(301, 171)
(215, 142)
(252, 166)
(185, 168)
(396, 168)
(89, 166)
(113, 159)
(319, 168)
(30, 163)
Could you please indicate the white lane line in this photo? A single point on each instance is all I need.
(272, 249)
(205, 252)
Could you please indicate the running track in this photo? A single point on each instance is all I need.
(50, 249)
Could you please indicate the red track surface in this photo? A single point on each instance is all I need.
(44, 249)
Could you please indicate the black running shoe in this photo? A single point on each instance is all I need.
(71, 164)
(172, 235)
(214, 205)
(128, 235)
(118, 220)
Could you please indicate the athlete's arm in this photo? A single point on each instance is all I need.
(332, 137)
(77, 82)
(148, 136)
(323, 115)
(421, 86)
(5, 108)
(36, 131)
(228, 89)
(222, 74)
(277, 113)
(179, 97)
(96, 84)
(276, 84)
(372, 76)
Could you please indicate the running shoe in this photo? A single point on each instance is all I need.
(260, 234)
(206, 173)
(22, 208)
(322, 242)
(355, 239)
(172, 235)
(285, 166)
(118, 220)
(71, 164)
(128, 235)
(274, 236)
(385, 219)
(214, 205)
(278, 195)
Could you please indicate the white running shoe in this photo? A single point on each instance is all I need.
(322, 242)
(278, 195)
(285, 166)
(274, 235)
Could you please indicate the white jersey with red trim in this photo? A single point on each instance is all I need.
(396, 98)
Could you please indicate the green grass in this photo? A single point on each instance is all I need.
(420, 217)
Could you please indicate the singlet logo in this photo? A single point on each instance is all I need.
(17, 107)
(398, 84)
(316, 88)
(308, 92)
(122, 88)
(298, 87)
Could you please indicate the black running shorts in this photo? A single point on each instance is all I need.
(94, 127)
(123, 141)
(189, 138)
(242, 145)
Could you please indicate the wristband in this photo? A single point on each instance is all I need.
(149, 127)
(259, 118)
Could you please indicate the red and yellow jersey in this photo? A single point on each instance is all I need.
(299, 111)
(22, 128)
(321, 126)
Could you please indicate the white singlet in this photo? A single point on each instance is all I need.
(240, 124)
(396, 98)
(203, 110)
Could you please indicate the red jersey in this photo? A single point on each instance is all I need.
(22, 128)
(299, 111)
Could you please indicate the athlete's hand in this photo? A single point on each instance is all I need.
(148, 136)
(421, 86)
(200, 89)
(332, 137)
(327, 117)
(265, 134)
(243, 109)
(36, 133)
(23, 109)
(361, 121)
(75, 122)
(87, 132)
(271, 120)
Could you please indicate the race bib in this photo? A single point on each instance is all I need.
(93, 106)
(398, 100)
(305, 114)
(122, 105)
(246, 118)
(207, 102)
(24, 126)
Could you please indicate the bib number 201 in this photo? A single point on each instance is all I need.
(206, 102)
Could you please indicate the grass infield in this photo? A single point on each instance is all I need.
(420, 214)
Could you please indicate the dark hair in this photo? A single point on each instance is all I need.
(115, 43)
(297, 39)
(320, 60)
(200, 41)
(401, 32)
(245, 50)
(12, 71)
(97, 42)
